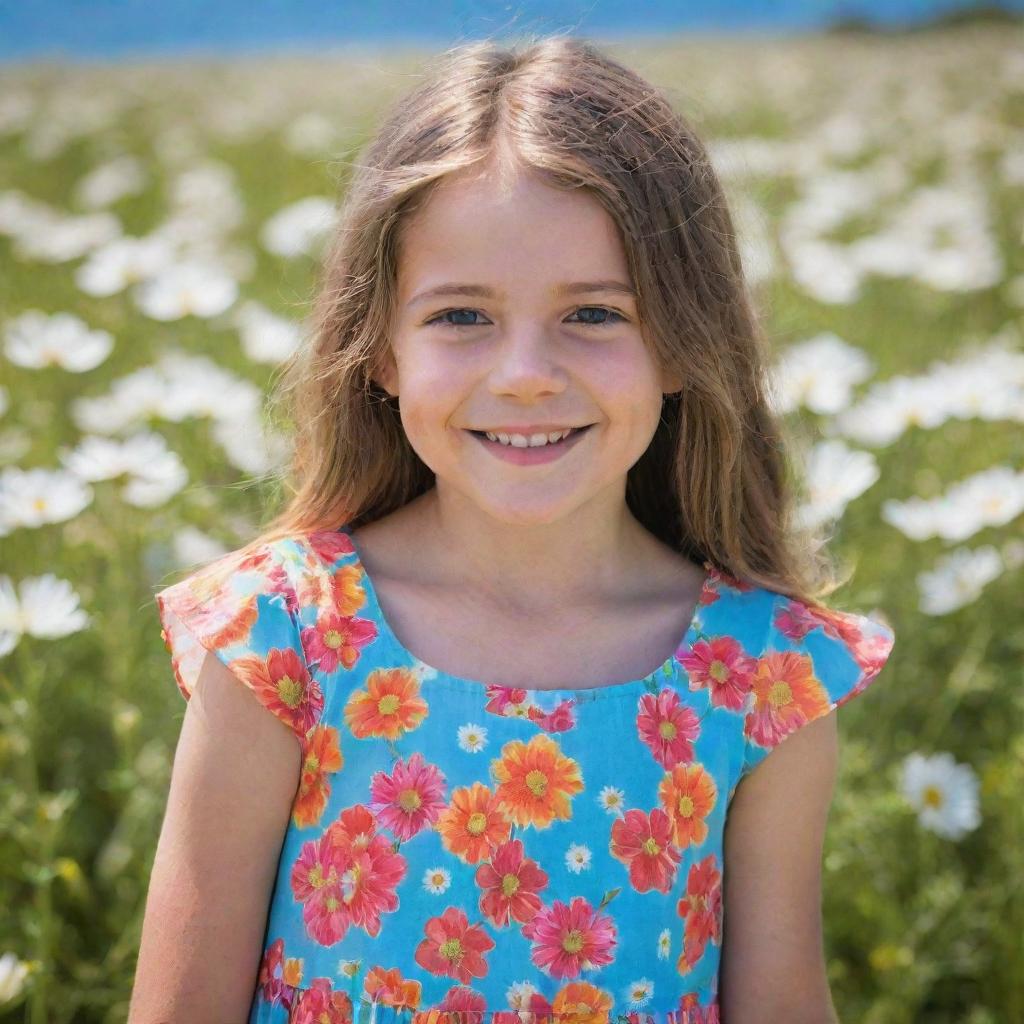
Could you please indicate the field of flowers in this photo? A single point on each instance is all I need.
(160, 225)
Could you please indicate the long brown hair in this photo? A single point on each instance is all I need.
(715, 483)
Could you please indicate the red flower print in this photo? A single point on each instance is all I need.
(702, 910)
(510, 883)
(284, 685)
(723, 668)
(463, 1006)
(787, 695)
(322, 757)
(389, 988)
(336, 640)
(410, 798)
(320, 1004)
(278, 978)
(454, 947)
(389, 706)
(569, 938)
(644, 844)
(473, 823)
(688, 793)
(347, 877)
(501, 698)
(558, 719)
(667, 727)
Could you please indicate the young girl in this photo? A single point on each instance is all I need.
(534, 617)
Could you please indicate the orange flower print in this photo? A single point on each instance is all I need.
(347, 877)
(347, 592)
(786, 696)
(337, 640)
(569, 938)
(322, 757)
(582, 1003)
(702, 911)
(320, 1004)
(644, 844)
(473, 824)
(667, 727)
(389, 706)
(688, 793)
(284, 685)
(453, 947)
(389, 988)
(410, 798)
(535, 781)
(510, 883)
(723, 668)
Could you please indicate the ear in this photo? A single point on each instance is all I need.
(384, 373)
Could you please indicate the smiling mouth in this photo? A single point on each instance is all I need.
(547, 444)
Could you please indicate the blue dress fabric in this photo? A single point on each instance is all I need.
(464, 851)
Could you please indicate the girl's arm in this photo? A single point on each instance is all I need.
(773, 967)
(236, 771)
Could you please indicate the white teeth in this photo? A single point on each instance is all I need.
(533, 441)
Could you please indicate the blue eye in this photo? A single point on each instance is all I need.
(441, 320)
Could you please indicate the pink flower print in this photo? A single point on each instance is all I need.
(336, 640)
(721, 666)
(454, 947)
(702, 911)
(411, 798)
(667, 727)
(644, 844)
(558, 719)
(569, 938)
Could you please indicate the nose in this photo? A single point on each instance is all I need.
(526, 364)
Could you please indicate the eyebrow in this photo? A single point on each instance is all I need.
(575, 288)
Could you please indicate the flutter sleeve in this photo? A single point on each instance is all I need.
(243, 609)
(815, 660)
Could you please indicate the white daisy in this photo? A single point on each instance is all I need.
(664, 944)
(944, 793)
(472, 738)
(638, 994)
(577, 858)
(612, 799)
(436, 880)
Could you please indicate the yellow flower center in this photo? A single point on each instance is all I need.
(509, 885)
(932, 796)
(409, 800)
(451, 950)
(536, 782)
(780, 694)
(476, 823)
(685, 806)
(719, 671)
(332, 639)
(312, 763)
(388, 704)
(316, 876)
(650, 846)
(331, 904)
(573, 941)
(290, 691)
(667, 731)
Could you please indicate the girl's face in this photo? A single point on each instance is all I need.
(515, 314)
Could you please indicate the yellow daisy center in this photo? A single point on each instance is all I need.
(780, 694)
(388, 704)
(509, 885)
(536, 782)
(651, 846)
(332, 639)
(451, 950)
(667, 731)
(573, 941)
(932, 796)
(476, 823)
(685, 805)
(409, 800)
(290, 691)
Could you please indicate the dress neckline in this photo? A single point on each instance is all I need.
(669, 668)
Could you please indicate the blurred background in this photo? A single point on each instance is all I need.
(168, 177)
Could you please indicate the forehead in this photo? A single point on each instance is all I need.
(508, 225)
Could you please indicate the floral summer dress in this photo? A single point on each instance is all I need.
(464, 852)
